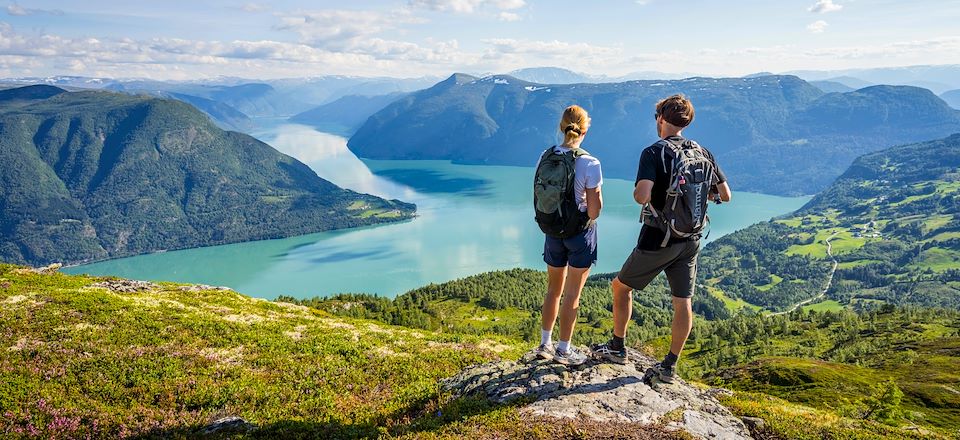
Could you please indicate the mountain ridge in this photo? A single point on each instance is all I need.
(505, 121)
(116, 175)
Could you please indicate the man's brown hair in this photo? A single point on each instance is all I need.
(676, 109)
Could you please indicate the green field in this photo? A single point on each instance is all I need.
(732, 304)
(824, 306)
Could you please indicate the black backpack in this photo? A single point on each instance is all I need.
(557, 211)
(692, 174)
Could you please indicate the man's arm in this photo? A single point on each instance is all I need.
(642, 192)
(724, 191)
(594, 202)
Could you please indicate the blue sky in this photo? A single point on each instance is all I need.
(177, 39)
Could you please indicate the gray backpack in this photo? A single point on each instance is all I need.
(684, 212)
(556, 207)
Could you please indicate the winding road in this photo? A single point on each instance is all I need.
(825, 288)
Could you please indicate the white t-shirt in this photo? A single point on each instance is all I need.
(586, 174)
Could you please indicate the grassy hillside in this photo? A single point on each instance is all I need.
(91, 175)
(166, 359)
(893, 224)
(836, 360)
(109, 358)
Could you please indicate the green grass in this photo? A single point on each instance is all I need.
(358, 205)
(824, 306)
(775, 279)
(732, 304)
(168, 360)
(793, 421)
(856, 263)
(842, 241)
(938, 259)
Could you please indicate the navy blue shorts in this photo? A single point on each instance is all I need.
(579, 251)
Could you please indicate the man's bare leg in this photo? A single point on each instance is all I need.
(682, 324)
(622, 307)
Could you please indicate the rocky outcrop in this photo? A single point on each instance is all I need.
(125, 286)
(602, 392)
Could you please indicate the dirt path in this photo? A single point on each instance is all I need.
(825, 288)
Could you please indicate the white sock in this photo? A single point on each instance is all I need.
(563, 346)
(545, 336)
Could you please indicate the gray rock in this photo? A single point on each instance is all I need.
(753, 423)
(228, 425)
(602, 392)
(125, 286)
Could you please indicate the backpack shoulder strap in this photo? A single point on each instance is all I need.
(577, 152)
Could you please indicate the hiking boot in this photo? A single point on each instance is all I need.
(666, 374)
(571, 357)
(545, 351)
(605, 352)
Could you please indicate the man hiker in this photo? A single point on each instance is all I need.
(675, 179)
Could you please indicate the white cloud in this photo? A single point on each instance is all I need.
(17, 10)
(467, 6)
(508, 16)
(254, 7)
(817, 27)
(341, 29)
(824, 6)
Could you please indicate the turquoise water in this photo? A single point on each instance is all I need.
(472, 219)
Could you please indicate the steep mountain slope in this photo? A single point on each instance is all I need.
(345, 115)
(952, 97)
(225, 116)
(775, 134)
(257, 99)
(89, 175)
(832, 86)
(892, 221)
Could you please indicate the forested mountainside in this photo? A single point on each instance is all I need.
(773, 134)
(892, 221)
(93, 174)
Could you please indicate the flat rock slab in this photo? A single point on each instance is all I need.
(601, 391)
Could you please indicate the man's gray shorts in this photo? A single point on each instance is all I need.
(677, 260)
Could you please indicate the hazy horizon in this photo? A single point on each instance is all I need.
(181, 40)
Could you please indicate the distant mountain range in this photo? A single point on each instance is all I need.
(345, 115)
(232, 102)
(774, 134)
(938, 78)
(94, 174)
(952, 97)
(832, 86)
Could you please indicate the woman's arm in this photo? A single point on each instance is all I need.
(594, 202)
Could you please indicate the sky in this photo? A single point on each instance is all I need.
(185, 40)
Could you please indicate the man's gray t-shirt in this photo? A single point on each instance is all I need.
(587, 174)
